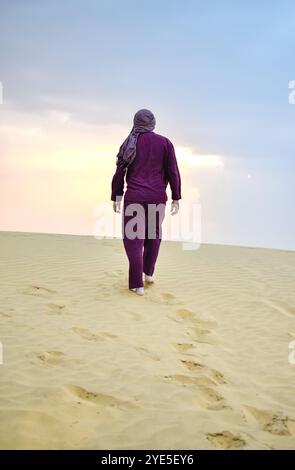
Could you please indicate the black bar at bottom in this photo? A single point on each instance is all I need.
(147, 458)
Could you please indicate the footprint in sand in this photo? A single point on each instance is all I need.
(187, 315)
(55, 309)
(201, 335)
(226, 440)
(205, 378)
(96, 398)
(274, 423)
(38, 291)
(199, 330)
(211, 398)
(7, 313)
(204, 394)
(183, 347)
(164, 298)
(215, 375)
(89, 336)
(186, 380)
(168, 298)
(148, 353)
(192, 365)
(55, 358)
(52, 357)
(218, 376)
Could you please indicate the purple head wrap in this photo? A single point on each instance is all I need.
(143, 121)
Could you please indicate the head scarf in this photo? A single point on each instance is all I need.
(143, 121)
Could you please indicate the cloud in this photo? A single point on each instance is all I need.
(189, 160)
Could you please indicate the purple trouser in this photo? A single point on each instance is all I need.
(142, 236)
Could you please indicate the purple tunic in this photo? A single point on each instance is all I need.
(154, 166)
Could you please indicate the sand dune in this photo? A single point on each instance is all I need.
(200, 362)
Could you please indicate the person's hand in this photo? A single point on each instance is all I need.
(117, 206)
(174, 207)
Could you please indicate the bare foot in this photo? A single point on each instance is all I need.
(138, 290)
(148, 279)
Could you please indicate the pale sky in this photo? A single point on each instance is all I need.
(215, 74)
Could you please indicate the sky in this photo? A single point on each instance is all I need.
(215, 74)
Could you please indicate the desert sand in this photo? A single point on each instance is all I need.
(199, 362)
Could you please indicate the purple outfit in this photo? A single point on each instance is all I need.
(142, 251)
(147, 178)
(148, 175)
